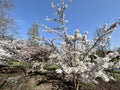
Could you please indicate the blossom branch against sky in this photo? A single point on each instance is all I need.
(83, 15)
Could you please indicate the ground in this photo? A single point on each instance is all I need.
(15, 78)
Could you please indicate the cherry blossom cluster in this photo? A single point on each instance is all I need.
(13, 49)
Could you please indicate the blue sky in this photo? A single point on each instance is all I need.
(81, 14)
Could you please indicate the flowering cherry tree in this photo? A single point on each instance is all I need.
(21, 50)
(74, 53)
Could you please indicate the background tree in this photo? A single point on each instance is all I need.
(6, 22)
(33, 34)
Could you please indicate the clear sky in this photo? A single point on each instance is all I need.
(81, 14)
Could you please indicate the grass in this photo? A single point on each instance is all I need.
(51, 66)
(46, 65)
(16, 64)
(117, 76)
